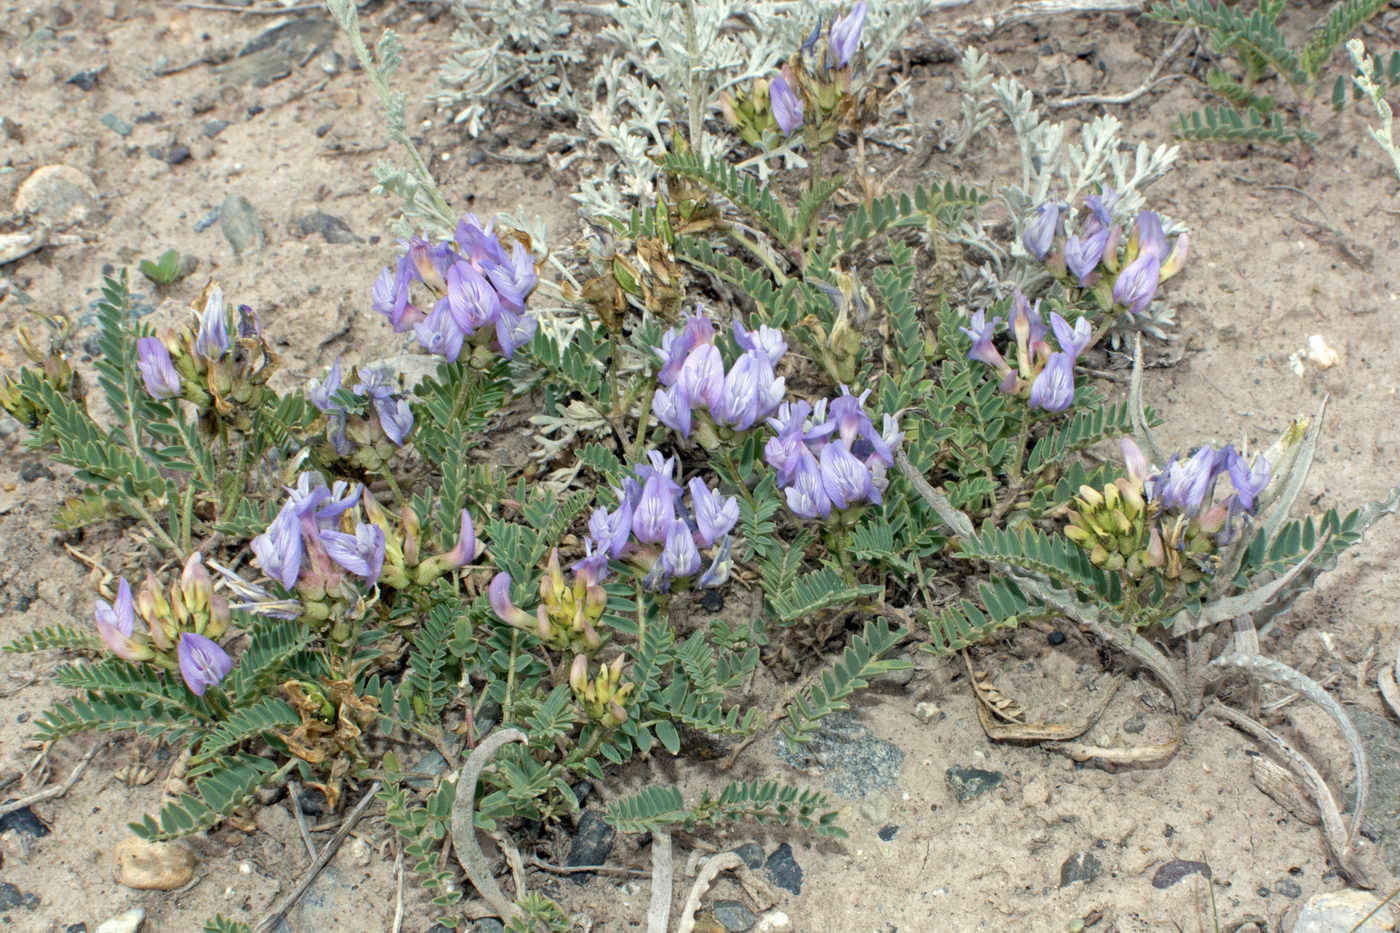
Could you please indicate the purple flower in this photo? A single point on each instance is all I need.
(766, 340)
(676, 346)
(1137, 283)
(848, 412)
(783, 453)
(116, 622)
(212, 340)
(1184, 486)
(1151, 240)
(1053, 389)
(845, 479)
(714, 516)
(679, 557)
(513, 331)
(499, 595)
(514, 280)
(611, 529)
(672, 408)
(203, 663)
(701, 378)
(873, 448)
(361, 553)
(807, 496)
(1100, 210)
(1177, 258)
(279, 549)
(157, 369)
(439, 333)
(468, 547)
(390, 295)
(1134, 462)
(717, 574)
(844, 37)
(787, 106)
(1072, 340)
(395, 416)
(593, 568)
(981, 336)
(319, 393)
(471, 299)
(480, 244)
(1039, 235)
(1248, 483)
(750, 392)
(1026, 322)
(655, 513)
(1082, 254)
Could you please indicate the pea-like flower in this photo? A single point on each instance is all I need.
(1039, 236)
(116, 623)
(980, 333)
(787, 106)
(279, 549)
(694, 379)
(1185, 484)
(1137, 283)
(844, 38)
(1053, 389)
(1083, 254)
(439, 333)
(714, 516)
(395, 415)
(845, 479)
(1073, 340)
(679, 555)
(361, 553)
(203, 664)
(807, 495)
(212, 339)
(157, 369)
(1247, 481)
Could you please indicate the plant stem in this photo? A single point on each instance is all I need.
(692, 48)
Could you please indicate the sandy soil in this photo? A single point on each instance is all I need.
(1282, 251)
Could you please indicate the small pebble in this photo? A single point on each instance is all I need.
(177, 154)
(23, 821)
(361, 854)
(783, 869)
(1082, 866)
(751, 853)
(1134, 726)
(774, 921)
(150, 116)
(322, 130)
(116, 124)
(1056, 638)
(128, 922)
(152, 866)
(591, 845)
(733, 916)
(254, 110)
(12, 897)
(86, 80)
(214, 128)
(928, 712)
(208, 220)
(886, 833)
(1288, 888)
(1173, 871)
(712, 600)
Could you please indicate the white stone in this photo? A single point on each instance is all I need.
(128, 922)
(774, 921)
(57, 194)
(1341, 911)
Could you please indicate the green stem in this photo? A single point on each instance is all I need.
(394, 487)
(692, 43)
(145, 515)
(758, 253)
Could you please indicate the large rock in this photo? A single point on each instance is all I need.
(58, 195)
(153, 866)
(1341, 912)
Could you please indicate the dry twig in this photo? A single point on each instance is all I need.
(58, 790)
(464, 823)
(294, 791)
(725, 861)
(659, 910)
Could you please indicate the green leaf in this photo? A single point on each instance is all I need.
(1344, 18)
(857, 665)
(218, 793)
(666, 732)
(809, 593)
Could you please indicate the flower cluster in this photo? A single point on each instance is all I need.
(1169, 519)
(319, 536)
(567, 615)
(478, 290)
(697, 388)
(177, 632)
(1043, 376)
(654, 528)
(831, 457)
(601, 697)
(356, 436)
(221, 364)
(816, 95)
(1091, 258)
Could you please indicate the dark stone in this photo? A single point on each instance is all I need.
(488, 925)
(733, 916)
(322, 130)
(22, 717)
(1172, 872)
(752, 854)
(86, 80)
(208, 220)
(177, 153)
(12, 897)
(971, 783)
(1288, 888)
(254, 110)
(150, 116)
(783, 869)
(331, 228)
(76, 928)
(852, 760)
(1056, 638)
(214, 128)
(712, 600)
(886, 833)
(439, 928)
(1134, 726)
(591, 845)
(374, 239)
(313, 801)
(24, 821)
(34, 469)
(581, 791)
(1082, 866)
